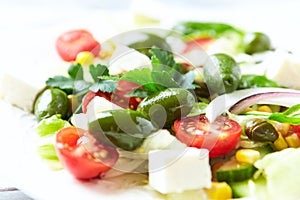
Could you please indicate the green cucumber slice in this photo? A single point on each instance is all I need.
(232, 171)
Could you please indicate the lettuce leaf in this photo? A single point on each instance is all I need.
(281, 170)
(51, 125)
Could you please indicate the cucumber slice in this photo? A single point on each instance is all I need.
(240, 189)
(248, 188)
(232, 171)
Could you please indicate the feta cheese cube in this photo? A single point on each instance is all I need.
(17, 92)
(179, 170)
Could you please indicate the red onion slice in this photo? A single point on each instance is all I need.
(238, 101)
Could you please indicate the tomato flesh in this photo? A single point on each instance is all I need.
(82, 155)
(118, 97)
(69, 44)
(219, 137)
(198, 43)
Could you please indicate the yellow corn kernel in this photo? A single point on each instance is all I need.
(264, 109)
(247, 156)
(293, 140)
(284, 128)
(85, 58)
(219, 191)
(280, 143)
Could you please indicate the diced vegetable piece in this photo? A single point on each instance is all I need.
(179, 170)
(233, 171)
(248, 156)
(264, 150)
(293, 140)
(264, 108)
(85, 58)
(240, 189)
(280, 143)
(249, 188)
(220, 191)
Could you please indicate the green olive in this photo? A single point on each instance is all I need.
(257, 42)
(221, 74)
(125, 129)
(50, 102)
(259, 130)
(168, 105)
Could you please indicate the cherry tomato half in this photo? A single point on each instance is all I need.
(69, 44)
(197, 43)
(296, 129)
(119, 97)
(219, 137)
(89, 97)
(82, 155)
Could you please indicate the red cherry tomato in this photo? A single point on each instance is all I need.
(89, 97)
(197, 43)
(118, 97)
(219, 137)
(296, 129)
(82, 155)
(69, 44)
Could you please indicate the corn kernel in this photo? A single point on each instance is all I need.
(280, 143)
(85, 58)
(247, 156)
(264, 109)
(293, 140)
(219, 191)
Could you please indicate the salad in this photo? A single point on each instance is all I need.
(201, 111)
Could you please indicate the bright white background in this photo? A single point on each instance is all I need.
(28, 30)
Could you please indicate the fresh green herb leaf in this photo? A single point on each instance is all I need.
(104, 86)
(162, 60)
(68, 85)
(284, 118)
(137, 93)
(75, 71)
(255, 81)
(142, 77)
(162, 79)
(98, 70)
(64, 83)
(291, 115)
(292, 111)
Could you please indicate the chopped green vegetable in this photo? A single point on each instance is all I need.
(75, 71)
(205, 29)
(255, 81)
(48, 153)
(291, 115)
(198, 109)
(98, 70)
(51, 125)
(281, 171)
(104, 86)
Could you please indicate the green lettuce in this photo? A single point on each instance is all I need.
(46, 129)
(281, 171)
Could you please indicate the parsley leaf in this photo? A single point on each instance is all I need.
(105, 86)
(98, 70)
(75, 71)
(68, 85)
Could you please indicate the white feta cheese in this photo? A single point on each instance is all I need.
(125, 59)
(284, 69)
(179, 170)
(17, 92)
